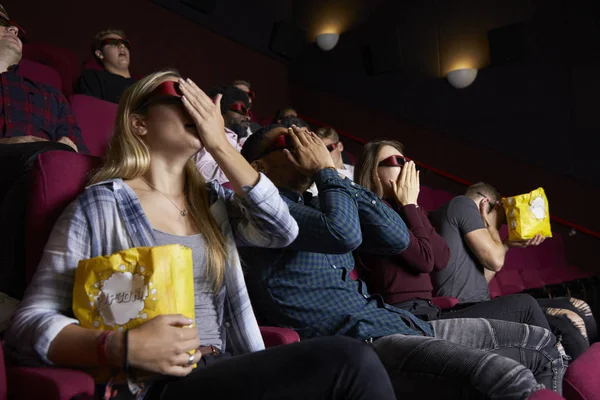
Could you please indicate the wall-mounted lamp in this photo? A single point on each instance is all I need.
(461, 78)
(327, 41)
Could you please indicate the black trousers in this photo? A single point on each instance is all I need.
(324, 368)
(513, 308)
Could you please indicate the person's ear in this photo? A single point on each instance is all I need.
(340, 146)
(138, 124)
(99, 54)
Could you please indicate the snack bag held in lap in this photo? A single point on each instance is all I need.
(128, 288)
(527, 215)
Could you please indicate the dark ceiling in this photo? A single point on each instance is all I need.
(251, 22)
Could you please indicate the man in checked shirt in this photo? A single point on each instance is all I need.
(30, 111)
(307, 286)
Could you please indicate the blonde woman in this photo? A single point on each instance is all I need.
(150, 193)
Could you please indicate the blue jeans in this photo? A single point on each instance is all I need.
(473, 358)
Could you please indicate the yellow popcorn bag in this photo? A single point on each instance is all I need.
(527, 215)
(130, 287)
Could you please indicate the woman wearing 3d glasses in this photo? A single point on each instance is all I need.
(403, 280)
(150, 193)
(110, 77)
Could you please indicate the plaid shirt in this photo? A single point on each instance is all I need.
(28, 108)
(307, 286)
(108, 218)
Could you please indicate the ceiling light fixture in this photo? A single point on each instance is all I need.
(327, 41)
(461, 78)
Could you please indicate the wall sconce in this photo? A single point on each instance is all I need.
(327, 41)
(461, 78)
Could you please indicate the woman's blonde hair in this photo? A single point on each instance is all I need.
(365, 170)
(129, 158)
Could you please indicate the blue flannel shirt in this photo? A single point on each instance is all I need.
(307, 285)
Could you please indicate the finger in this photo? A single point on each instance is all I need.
(413, 174)
(177, 320)
(194, 98)
(394, 186)
(403, 175)
(294, 138)
(483, 207)
(419, 179)
(179, 370)
(192, 110)
(199, 93)
(302, 137)
(40, 139)
(218, 103)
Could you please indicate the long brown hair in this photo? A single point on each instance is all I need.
(129, 158)
(365, 170)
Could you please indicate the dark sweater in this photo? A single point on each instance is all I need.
(102, 84)
(405, 276)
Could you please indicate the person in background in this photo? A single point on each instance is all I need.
(30, 111)
(149, 193)
(471, 224)
(244, 86)
(284, 113)
(332, 141)
(112, 50)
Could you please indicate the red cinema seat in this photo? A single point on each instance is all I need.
(96, 118)
(40, 73)
(64, 61)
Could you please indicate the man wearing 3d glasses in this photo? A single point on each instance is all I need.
(111, 49)
(235, 107)
(30, 111)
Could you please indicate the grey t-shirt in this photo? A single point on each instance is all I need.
(208, 306)
(463, 277)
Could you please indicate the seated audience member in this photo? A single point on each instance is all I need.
(236, 113)
(284, 113)
(332, 140)
(111, 49)
(471, 224)
(30, 111)
(244, 86)
(307, 286)
(291, 120)
(403, 279)
(149, 193)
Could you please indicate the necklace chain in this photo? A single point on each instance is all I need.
(182, 211)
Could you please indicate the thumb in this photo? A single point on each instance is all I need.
(218, 102)
(178, 320)
(394, 186)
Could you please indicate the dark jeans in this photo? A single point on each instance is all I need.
(473, 358)
(514, 308)
(325, 368)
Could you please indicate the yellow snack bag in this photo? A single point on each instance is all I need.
(130, 287)
(527, 215)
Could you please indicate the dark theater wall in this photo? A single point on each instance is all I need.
(160, 39)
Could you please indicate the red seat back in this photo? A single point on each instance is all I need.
(40, 73)
(64, 61)
(581, 380)
(51, 192)
(96, 118)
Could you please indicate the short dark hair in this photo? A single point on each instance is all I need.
(254, 145)
(289, 121)
(483, 188)
(327, 132)
(240, 82)
(231, 95)
(281, 112)
(97, 44)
